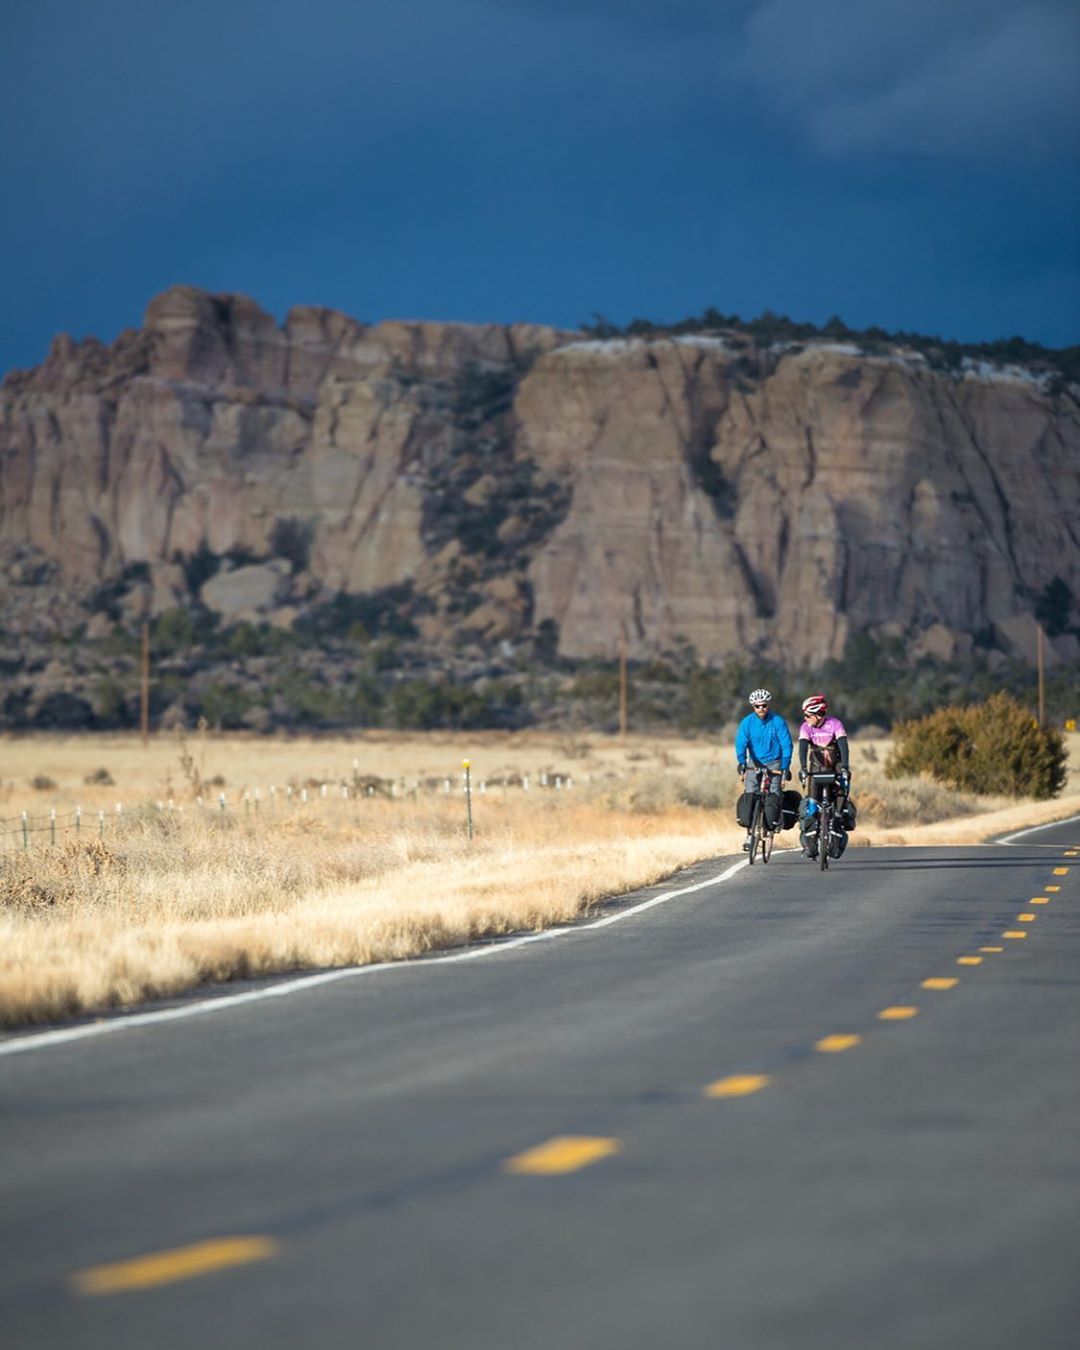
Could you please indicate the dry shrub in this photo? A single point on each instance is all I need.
(56, 880)
(993, 747)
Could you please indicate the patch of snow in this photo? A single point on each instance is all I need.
(988, 373)
(601, 347)
(716, 344)
(841, 348)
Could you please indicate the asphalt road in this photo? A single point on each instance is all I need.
(748, 1154)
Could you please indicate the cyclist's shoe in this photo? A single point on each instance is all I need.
(746, 844)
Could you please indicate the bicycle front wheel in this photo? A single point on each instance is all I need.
(755, 828)
(824, 834)
(767, 838)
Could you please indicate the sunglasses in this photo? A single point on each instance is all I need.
(759, 707)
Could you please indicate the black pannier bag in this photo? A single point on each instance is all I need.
(742, 809)
(789, 808)
(848, 814)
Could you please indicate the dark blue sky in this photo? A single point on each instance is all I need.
(909, 163)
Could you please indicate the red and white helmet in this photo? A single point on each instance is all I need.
(816, 703)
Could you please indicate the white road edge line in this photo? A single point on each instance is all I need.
(213, 1005)
(1034, 829)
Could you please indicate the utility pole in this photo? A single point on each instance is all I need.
(622, 684)
(144, 683)
(1039, 662)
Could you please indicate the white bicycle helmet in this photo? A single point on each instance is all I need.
(759, 696)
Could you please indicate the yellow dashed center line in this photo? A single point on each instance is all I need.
(1071, 853)
(833, 1044)
(991, 949)
(1014, 933)
(898, 1013)
(940, 982)
(182, 1263)
(1052, 890)
(1039, 900)
(1061, 871)
(1026, 918)
(738, 1085)
(969, 960)
(564, 1153)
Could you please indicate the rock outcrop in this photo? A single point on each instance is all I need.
(745, 500)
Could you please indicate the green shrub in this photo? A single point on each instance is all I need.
(993, 747)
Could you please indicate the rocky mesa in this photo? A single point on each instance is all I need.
(703, 488)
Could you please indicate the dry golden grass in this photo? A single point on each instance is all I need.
(167, 901)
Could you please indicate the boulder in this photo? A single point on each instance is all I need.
(246, 592)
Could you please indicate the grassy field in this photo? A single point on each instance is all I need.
(375, 864)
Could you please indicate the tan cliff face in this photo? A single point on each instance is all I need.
(787, 503)
(692, 488)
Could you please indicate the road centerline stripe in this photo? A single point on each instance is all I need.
(1052, 889)
(1061, 871)
(834, 1044)
(1039, 900)
(1026, 918)
(167, 1267)
(738, 1085)
(898, 1013)
(991, 949)
(940, 982)
(563, 1153)
(969, 960)
(1014, 933)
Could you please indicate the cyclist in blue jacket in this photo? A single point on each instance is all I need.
(763, 741)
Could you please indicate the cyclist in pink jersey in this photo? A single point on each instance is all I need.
(823, 748)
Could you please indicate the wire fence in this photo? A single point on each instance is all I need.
(48, 829)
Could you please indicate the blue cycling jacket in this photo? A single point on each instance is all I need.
(761, 740)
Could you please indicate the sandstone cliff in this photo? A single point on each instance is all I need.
(745, 500)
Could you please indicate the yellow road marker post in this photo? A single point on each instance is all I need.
(738, 1085)
(181, 1263)
(563, 1153)
(940, 982)
(969, 960)
(991, 949)
(898, 1013)
(831, 1045)
(1014, 933)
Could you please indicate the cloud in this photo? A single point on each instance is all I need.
(974, 77)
